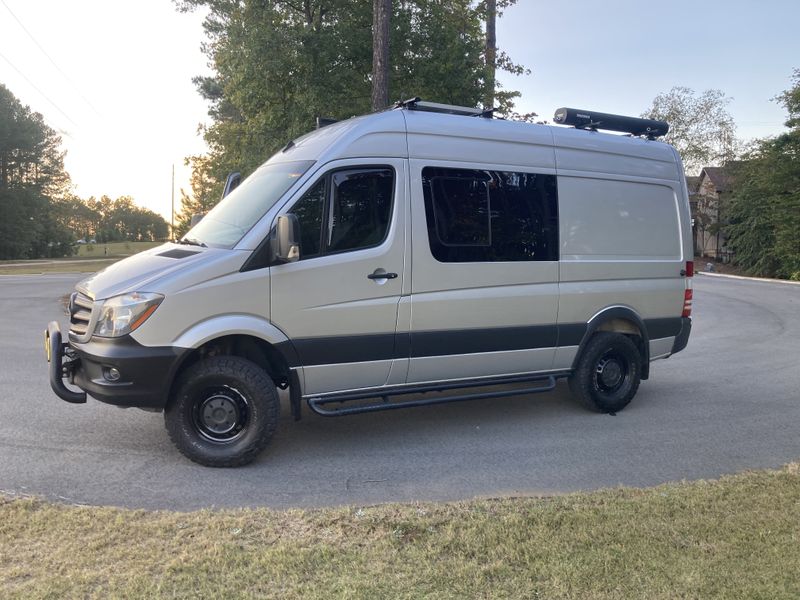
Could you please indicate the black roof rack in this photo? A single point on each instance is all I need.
(450, 109)
(591, 120)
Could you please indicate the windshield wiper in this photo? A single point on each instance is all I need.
(192, 242)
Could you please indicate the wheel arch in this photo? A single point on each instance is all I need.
(248, 337)
(619, 319)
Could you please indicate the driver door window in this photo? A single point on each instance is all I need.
(345, 210)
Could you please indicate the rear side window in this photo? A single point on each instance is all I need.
(344, 211)
(490, 216)
(461, 211)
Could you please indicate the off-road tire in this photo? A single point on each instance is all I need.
(213, 392)
(603, 392)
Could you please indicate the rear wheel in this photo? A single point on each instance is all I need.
(608, 373)
(224, 412)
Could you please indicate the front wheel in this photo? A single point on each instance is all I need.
(224, 412)
(608, 373)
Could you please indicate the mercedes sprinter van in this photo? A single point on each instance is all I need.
(425, 248)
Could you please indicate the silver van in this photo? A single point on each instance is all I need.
(426, 248)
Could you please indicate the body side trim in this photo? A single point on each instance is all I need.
(383, 346)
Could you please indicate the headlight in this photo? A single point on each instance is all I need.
(122, 314)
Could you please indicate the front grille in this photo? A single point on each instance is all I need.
(80, 313)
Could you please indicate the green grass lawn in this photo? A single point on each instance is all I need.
(738, 537)
(116, 249)
(90, 258)
(74, 266)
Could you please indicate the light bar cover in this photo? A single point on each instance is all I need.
(588, 119)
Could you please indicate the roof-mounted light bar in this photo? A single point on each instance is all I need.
(450, 109)
(588, 119)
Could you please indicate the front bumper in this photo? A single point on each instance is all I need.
(145, 373)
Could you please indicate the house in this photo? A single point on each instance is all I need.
(708, 196)
(692, 183)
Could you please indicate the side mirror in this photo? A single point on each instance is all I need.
(231, 183)
(196, 219)
(286, 243)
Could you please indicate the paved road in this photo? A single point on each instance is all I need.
(730, 401)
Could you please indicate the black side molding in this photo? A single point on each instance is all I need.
(58, 369)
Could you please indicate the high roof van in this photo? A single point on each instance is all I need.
(425, 248)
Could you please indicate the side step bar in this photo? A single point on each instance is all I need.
(317, 403)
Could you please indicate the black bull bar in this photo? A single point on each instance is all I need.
(56, 350)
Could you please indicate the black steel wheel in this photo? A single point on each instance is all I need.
(224, 412)
(608, 373)
(221, 413)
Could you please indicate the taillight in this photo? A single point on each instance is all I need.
(687, 303)
(689, 268)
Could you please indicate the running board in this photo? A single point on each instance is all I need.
(316, 403)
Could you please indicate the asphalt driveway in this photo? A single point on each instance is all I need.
(730, 401)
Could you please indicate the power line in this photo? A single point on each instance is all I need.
(38, 45)
(33, 85)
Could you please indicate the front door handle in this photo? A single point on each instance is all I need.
(381, 274)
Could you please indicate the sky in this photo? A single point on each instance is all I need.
(114, 77)
(118, 89)
(616, 56)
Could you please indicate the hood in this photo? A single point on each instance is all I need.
(142, 272)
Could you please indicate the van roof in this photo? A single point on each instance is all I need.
(416, 134)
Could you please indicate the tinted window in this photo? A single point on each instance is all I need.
(308, 211)
(345, 210)
(461, 211)
(360, 208)
(479, 216)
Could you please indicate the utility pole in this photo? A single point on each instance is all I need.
(172, 213)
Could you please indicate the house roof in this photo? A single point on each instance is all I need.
(692, 183)
(720, 177)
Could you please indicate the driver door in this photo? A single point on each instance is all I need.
(338, 303)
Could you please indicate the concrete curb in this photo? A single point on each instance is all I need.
(762, 279)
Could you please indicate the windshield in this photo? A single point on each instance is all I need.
(229, 220)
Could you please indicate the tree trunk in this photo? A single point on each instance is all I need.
(381, 11)
(491, 52)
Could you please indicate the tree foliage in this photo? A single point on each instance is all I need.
(39, 216)
(32, 181)
(122, 220)
(204, 194)
(764, 228)
(700, 127)
(278, 64)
